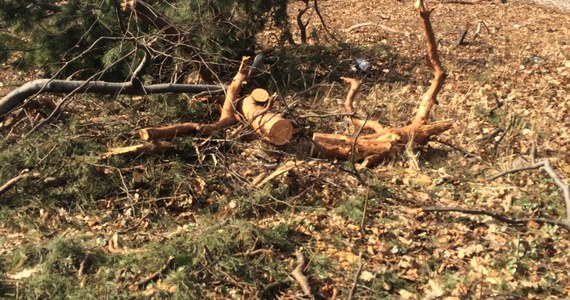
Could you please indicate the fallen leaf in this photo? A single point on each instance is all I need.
(366, 276)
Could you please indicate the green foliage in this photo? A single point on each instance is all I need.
(352, 209)
(85, 36)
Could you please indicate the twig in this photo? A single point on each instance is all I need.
(356, 276)
(450, 145)
(382, 26)
(312, 115)
(497, 216)
(504, 133)
(12, 182)
(81, 271)
(546, 166)
(154, 275)
(254, 252)
(143, 65)
(300, 277)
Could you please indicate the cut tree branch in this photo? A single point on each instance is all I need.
(349, 107)
(430, 96)
(227, 117)
(270, 126)
(373, 148)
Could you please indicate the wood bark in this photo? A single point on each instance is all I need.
(32, 88)
(372, 148)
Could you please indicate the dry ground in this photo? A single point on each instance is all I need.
(508, 91)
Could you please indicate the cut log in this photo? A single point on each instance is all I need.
(259, 95)
(272, 127)
(381, 144)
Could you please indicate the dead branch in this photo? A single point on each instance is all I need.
(25, 174)
(373, 148)
(546, 166)
(39, 86)
(356, 276)
(300, 277)
(154, 147)
(254, 252)
(496, 216)
(382, 26)
(154, 275)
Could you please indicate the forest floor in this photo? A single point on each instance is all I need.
(201, 222)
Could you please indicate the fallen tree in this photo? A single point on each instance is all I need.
(373, 148)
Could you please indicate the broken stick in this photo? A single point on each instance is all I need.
(300, 277)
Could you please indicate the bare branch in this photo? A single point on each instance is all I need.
(32, 88)
(300, 277)
(545, 165)
(497, 216)
(12, 182)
